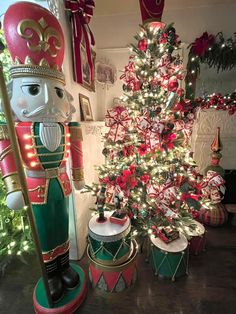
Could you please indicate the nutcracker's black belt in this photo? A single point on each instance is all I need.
(47, 173)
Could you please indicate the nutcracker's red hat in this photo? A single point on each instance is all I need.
(35, 40)
(151, 10)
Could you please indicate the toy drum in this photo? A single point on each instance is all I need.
(198, 239)
(170, 260)
(113, 279)
(109, 243)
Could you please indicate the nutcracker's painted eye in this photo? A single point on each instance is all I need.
(31, 89)
(59, 92)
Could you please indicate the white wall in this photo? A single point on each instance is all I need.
(106, 94)
(115, 22)
(209, 81)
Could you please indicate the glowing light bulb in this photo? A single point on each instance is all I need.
(26, 247)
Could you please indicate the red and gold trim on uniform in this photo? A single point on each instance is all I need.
(38, 188)
(76, 139)
(7, 162)
(57, 251)
(28, 148)
(67, 145)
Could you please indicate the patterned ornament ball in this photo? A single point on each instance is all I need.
(142, 44)
(173, 84)
(158, 110)
(126, 88)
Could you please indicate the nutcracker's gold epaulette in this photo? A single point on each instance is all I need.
(3, 132)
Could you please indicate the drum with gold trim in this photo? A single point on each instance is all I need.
(109, 243)
(113, 279)
(170, 260)
(197, 243)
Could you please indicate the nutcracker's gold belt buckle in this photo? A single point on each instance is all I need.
(51, 173)
(47, 173)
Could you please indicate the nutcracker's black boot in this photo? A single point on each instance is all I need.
(54, 281)
(69, 277)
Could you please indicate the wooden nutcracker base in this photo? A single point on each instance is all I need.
(70, 302)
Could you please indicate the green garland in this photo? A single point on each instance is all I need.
(215, 51)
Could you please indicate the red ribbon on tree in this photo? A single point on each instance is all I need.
(119, 121)
(151, 130)
(129, 77)
(81, 13)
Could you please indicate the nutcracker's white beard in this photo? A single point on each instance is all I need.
(50, 135)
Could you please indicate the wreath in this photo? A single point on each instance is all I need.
(216, 51)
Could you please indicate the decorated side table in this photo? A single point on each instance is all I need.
(170, 260)
(112, 255)
(109, 243)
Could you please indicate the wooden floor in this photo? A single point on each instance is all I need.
(210, 287)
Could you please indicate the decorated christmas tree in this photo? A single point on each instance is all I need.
(15, 235)
(149, 171)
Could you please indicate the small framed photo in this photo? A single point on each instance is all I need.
(86, 112)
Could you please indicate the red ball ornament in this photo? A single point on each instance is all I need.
(173, 84)
(142, 44)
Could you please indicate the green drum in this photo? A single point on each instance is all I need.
(170, 260)
(109, 243)
(114, 278)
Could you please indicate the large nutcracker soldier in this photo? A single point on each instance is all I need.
(42, 112)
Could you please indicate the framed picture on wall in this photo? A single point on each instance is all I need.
(106, 73)
(86, 75)
(86, 111)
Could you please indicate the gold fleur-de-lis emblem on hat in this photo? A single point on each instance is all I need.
(27, 28)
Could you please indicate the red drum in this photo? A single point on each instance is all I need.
(113, 279)
(198, 239)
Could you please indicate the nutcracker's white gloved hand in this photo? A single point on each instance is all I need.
(79, 185)
(15, 200)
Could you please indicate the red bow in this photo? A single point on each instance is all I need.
(201, 44)
(81, 13)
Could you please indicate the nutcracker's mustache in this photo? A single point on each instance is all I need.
(29, 114)
(43, 109)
